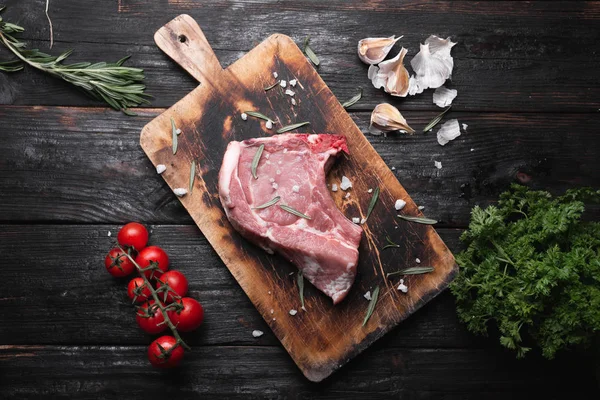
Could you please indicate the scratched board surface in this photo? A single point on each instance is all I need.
(324, 337)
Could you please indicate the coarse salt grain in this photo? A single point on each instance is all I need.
(393, 168)
(418, 261)
(438, 164)
(178, 131)
(293, 101)
(402, 287)
(345, 184)
(278, 172)
(275, 74)
(244, 116)
(160, 168)
(356, 220)
(293, 312)
(295, 188)
(269, 124)
(271, 180)
(367, 295)
(362, 221)
(180, 192)
(347, 196)
(421, 207)
(257, 333)
(370, 191)
(109, 234)
(275, 186)
(293, 82)
(290, 93)
(334, 187)
(399, 204)
(465, 126)
(283, 83)
(285, 150)
(272, 311)
(472, 149)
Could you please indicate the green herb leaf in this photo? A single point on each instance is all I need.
(192, 175)
(268, 203)
(293, 211)
(258, 115)
(419, 220)
(256, 160)
(373, 202)
(436, 120)
(292, 127)
(272, 86)
(390, 244)
(411, 271)
(174, 137)
(300, 281)
(372, 304)
(310, 53)
(353, 100)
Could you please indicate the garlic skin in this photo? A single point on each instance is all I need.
(443, 97)
(449, 131)
(433, 64)
(386, 118)
(391, 75)
(374, 50)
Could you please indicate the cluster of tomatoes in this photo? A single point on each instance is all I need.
(155, 281)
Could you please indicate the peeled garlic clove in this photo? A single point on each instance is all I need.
(449, 131)
(391, 75)
(386, 118)
(374, 50)
(442, 97)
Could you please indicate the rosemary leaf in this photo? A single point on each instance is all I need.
(372, 304)
(310, 53)
(436, 120)
(300, 281)
(390, 244)
(373, 202)
(292, 127)
(272, 86)
(174, 129)
(192, 175)
(419, 220)
(268, 203)
(293, 211)
(256, 160)
(411, 271)
(353, 100)
(258, 115)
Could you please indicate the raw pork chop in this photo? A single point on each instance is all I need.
(292, 166)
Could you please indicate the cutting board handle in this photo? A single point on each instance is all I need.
(183, 41)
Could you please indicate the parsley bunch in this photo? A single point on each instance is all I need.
(532, 267)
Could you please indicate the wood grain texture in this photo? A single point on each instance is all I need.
(325, 337)
(512, 57)
(109, 372)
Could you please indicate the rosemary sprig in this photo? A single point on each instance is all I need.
(258, 115)
(174, 132)
(256, 160)
(292, 127)
(373, 202)
(268, 203)
(120, 87)
(293, 211)
(436, 120)
(353, 100)
(372, 304)
(300, 282)
(411, 271)
(310, 53)
(390, 244)
(272, 86)
(192, 175)
(419, 220)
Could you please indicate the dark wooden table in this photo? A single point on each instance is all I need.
(71, 171)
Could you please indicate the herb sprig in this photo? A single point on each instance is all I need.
(372, 304)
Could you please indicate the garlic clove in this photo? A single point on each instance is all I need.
(391, 75)
(449, 131)
(443, 97)
(374, 50)
(386, 118)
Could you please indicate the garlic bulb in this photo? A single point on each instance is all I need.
(449, 131)
(391, 75)
(374, 50)
(386, 118)
(433, 64)
(442, 97)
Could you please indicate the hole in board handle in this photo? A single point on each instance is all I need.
(182, 38)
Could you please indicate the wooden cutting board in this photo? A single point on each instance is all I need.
(324, 337)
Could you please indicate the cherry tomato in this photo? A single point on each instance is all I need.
(150, 319)
(164, 352)
(133, 235)
(177, 283)
(190, 317)
(118, 264)
(137, 290)
(153, 255)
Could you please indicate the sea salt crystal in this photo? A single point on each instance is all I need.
(362, 221)
(438, 164)
(295, 188)
(275, 74)
(244, 116)
(293, 312)
(345, 184)
(160, 168)
(421, 207)
(178, 131)
(334, 187)
(293, 101)
(347, 196)
(417, 260)
(472, 149)
(271, 180)
(278, 172)
(180, 192)
(275, 186)
(285, 150)
(356, 220)
(465, 126)
(290, 93)
(283, 83)
(269, 124)
(293, 82)
(399, 204)
(393, 168)
(367, 295)
(109, 234)
(257, 333)
(272, 311)
(402, 287)
(370, 191)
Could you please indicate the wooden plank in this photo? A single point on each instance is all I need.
(510, 56)
(85, 165)
(92, 372)
(55, 290)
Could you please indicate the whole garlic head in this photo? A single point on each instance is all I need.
(391, 75)
(433, 64)
(374, 50)
(386, 118)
